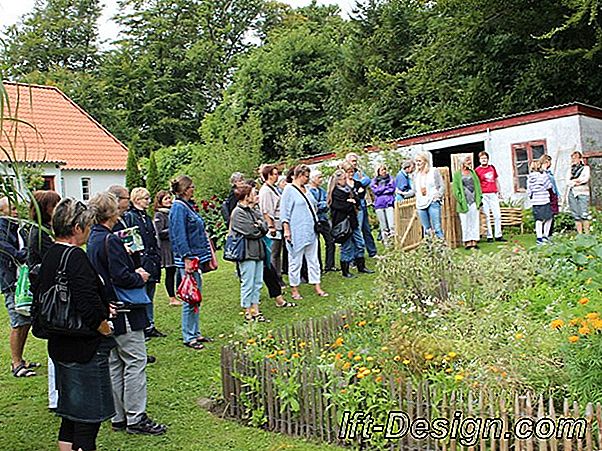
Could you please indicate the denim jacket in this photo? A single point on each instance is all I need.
(187, 233)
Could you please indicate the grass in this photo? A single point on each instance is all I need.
(177, 381)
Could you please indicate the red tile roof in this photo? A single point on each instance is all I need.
(56, 130)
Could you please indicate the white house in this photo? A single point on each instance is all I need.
(76, 154)
(513, 142)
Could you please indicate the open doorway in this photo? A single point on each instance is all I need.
(442, 157)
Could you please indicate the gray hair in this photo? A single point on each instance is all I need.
(407, 164)
(103, 206)
(70, 213)
(236, 177)
(117, 190)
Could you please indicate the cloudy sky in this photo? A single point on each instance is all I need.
(12, 10)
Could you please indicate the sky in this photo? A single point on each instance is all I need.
(12, 10)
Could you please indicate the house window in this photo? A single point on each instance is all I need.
(48, 183)
(85, 188)
(523, 154)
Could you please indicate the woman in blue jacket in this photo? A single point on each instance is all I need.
(189, 242)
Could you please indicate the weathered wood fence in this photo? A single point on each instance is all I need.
(250, 388)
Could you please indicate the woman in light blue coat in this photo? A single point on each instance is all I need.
(298, 216)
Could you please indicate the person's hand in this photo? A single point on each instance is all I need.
(112, 311)
(128, 248)
(287, 235)
(351, 200)
(142, 272)
(361, 190)
(272, 231)
(188, 269)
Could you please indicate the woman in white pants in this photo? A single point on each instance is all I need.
(466, 188)
(298, 217)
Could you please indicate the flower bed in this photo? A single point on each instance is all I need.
(442, 327)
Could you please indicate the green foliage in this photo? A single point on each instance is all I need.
(153, 184)
(133, 179)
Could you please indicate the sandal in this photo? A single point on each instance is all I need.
(323, 294)
(31, 365)
(204, 340)
(194, 345)
(248, 318)
(22, 371)
(261, 319)
(297, 297)
(286, 304)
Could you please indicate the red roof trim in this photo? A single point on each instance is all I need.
(482, 127)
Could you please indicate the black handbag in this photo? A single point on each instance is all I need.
(55, 312)
(342, 231)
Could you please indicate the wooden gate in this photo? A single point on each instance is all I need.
(408, 229)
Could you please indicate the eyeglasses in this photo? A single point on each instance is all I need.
(146, 198)
(124, 198)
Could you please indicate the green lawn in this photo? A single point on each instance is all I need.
(175, 383)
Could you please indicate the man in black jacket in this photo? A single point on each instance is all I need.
(12, 254)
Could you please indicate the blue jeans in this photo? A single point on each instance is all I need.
(430, 218)
(251, 281)
(150, 313)
(362, 218)
(190, 319)
(354, 247)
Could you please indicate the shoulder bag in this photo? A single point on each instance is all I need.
(317, 225)
(56, 312)
(129, 296)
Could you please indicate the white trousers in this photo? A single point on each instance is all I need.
(491, 203)
(53, 393)
(471, 223)
(295, 261)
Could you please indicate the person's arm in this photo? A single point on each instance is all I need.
(362, 178)
(267, 208)
(177, 231)
(497, 183)
(84, 290)
(377, 189)
(286, 211)
(121, 273)
(246, 224)
(584, 177)
(440, 186)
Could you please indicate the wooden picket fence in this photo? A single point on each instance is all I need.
(250, 386)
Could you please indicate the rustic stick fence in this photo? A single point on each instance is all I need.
(253, 387)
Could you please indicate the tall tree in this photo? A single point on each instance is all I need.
(57, 33)
(153, 184)
(133, 178)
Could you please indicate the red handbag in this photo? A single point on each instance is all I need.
(189, 291)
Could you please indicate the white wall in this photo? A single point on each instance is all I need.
(99, 181)
(591, 134)
(47, 169)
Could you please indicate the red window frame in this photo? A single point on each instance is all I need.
(528, 146)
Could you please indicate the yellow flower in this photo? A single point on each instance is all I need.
(597, 324)
(360, 375)
(573, 339)
(357, 358)
(379, 379)
(271, 356)
(592, 315)
(367, 371)
(362, 323)
(282, 352)
(384, 349)
(347, 366)
(557, 324)
(574, 321)
(350, 354)
(296, 355)
(519, 336)
(338, 356)
(346, 326)
(459, 377)
(397, 358)
(302, 344)
(338, 342)
(589, 256)
(343, 316)
(251, 341)
(343, 391)
(376, 370)
(406, 362)
(584, 330)
(429, 357)
(583, 301)
(588, 281)
(452, 355)
(449, 370)
(369, 358)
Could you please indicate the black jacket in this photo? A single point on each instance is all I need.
(38, 243)
(341, 208)
(149, 259)
(10, 254)
(110, 259)
(87, 295)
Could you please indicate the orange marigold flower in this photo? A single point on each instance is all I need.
(360, 375)
(597, 324)
(583, 301)
(379, 379)
(282, 352)
(574, 321)
(302, 344)
(338, 342)
(429, 357)
(347, 366)
(357, 358)
(362, 323)
(573, 339)
(592, 315)
(557, 324)
(346, 326)
(584, 330)
(350, 354)
(369, 358)
(339, 356)
(519, 336)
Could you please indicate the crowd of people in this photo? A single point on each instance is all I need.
(101, 374)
